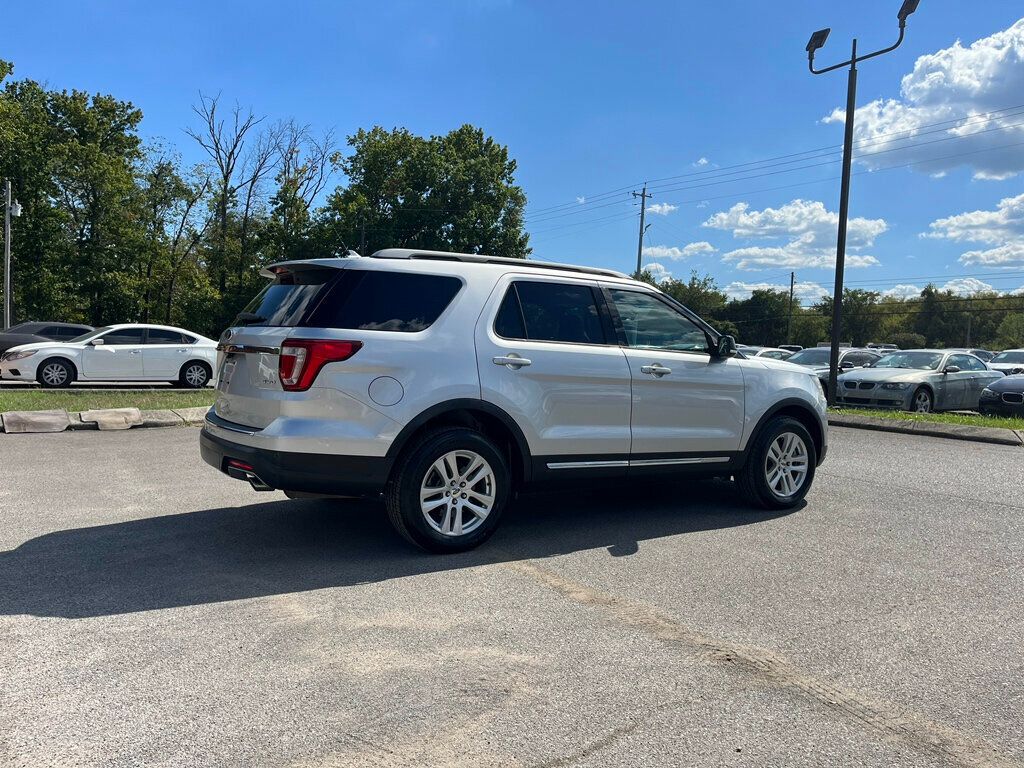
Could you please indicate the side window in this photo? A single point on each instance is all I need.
(859, 358)
(963, 362)
(377, 300)
(160, 336)
(123, 336)
(976, 364)
(650, 323)
(509, 323)
(556, 312)
(55, 332)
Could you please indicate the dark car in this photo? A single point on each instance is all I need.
(33, 333)
(1004, 397)
(818, 358)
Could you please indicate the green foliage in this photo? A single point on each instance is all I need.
(907, 340)
(1010, 334)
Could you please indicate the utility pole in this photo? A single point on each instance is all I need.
(640, 242)
(7, 254)
(789, 323)
(817, 41)
(362, 237)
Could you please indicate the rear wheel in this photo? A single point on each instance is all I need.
(448, 492)
(194, 375)
(55, 373)
(780, 466)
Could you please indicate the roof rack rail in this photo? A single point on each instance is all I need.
(478, 258)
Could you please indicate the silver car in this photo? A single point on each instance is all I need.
(920, 380)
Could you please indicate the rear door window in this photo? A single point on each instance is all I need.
(123, 336)
(541, 311)
(161, 336)
(378, 300)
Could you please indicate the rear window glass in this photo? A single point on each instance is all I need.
(284, 301)
(375, 300)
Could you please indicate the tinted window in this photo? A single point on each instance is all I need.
(776, 354)
(977, 364)
(509, 322)
(817, 356)
(650, 323)
(1008, 357)
(26, 328)
(559, 312)
(160, 336)
(124, 336)
(859, 358)
(284, 301)
(925, 361)
(383, 301)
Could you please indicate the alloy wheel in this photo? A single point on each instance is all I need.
(457, 493)
(922, 402)
(195, 375)
(55, 374)
(787, 464)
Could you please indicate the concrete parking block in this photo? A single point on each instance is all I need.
(35, 421)
(114, 418)
(77, 423)
(161, 418)
(192, 415)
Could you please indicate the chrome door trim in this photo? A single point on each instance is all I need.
(585, 464)
(687, 460)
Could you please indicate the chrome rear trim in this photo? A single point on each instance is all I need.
(247, 349)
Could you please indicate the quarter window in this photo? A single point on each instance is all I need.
(650, 323)
(541, 311)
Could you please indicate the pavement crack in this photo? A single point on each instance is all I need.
(944, 744)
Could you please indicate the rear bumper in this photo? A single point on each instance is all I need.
(303, 472)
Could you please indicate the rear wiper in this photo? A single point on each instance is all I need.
(248, 318)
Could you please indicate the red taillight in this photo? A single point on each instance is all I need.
(301, 360)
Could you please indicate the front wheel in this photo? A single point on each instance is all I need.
(55, 373)
(449, 491)
(780, 465)
(922, 402)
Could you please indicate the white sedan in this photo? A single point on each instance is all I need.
(115, 353)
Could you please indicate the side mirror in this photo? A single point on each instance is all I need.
(846, 365)
(726, 347)
(97, 342)
(951, 369)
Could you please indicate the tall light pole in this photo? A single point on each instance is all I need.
(640, 241)
(817, 41)
(10, 209)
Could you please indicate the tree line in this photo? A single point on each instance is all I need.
(117, 229)
(935, 318)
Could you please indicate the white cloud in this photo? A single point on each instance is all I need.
(998, 226)
(902, 291)
(581, 200)
(702, 162)
(702, 204)
(675, 253)
(802, 291)
(953, 83)
(658, 272)
(1002, 228)
(967, 286)
(662, 209)
(808, 227)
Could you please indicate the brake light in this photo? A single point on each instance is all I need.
(301, 360)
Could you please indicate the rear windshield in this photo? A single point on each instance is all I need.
(369, 300)
(1009, 357)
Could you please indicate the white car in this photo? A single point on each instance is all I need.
(115, 353)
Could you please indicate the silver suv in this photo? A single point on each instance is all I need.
(447, 381)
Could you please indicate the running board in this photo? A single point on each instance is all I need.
(636, 462)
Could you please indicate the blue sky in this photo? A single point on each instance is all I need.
(596, 97)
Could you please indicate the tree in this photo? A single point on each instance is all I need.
(1011, 331)
(907, 340)
(762, 318)
(860, 322)
(700, 294)
(455, 192)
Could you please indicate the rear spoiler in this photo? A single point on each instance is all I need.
(273, 270)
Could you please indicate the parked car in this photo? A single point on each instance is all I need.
(446, 381)
(1003, 397)
(773, 353)
(115, 353)
(790, 347)
(920, 380)
(30, 333)
(982, 354)
(819, 358)
(1009, 361)
(883, 349)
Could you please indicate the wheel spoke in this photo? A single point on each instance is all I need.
(480, 511)
(470, 481)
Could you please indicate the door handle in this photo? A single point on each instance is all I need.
(513, 361)
(656, 369)
(136, 351)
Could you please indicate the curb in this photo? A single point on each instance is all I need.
(993, 435)
(105, 419)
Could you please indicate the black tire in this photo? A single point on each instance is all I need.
(55, 373)
(752, 479)
(189, 375)
(922, 392)
(415, 467)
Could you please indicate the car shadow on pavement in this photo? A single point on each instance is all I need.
(280, 547)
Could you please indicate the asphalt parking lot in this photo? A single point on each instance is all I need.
(153, 612)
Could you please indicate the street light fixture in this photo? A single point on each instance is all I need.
(816, 42)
